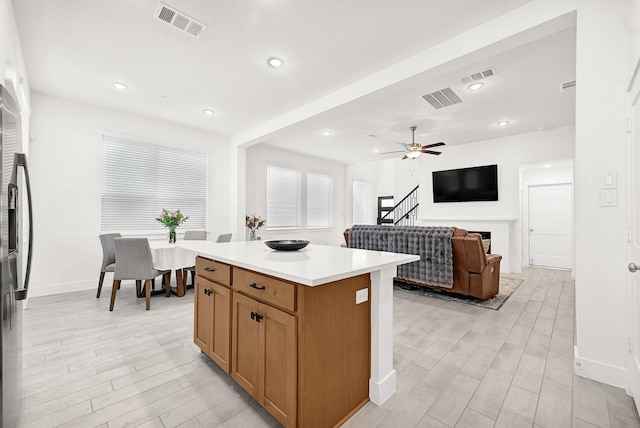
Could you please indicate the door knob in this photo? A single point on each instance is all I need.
(633, 267)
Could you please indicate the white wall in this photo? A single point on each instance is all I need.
(501, 217)
(380, 177)
(257, 159)
(603, 56)
(65, 167)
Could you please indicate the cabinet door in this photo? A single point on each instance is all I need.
(246, 344)
(212, 321)
(202, 317)
(278, 368)
(220, 345)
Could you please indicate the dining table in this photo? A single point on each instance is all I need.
(170, 256)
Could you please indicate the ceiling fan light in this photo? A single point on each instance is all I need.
(413, 154)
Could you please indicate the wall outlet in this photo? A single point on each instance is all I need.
(362, 296)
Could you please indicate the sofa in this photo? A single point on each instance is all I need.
(452, 259)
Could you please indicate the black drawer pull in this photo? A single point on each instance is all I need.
(208, 269)
(257, 287)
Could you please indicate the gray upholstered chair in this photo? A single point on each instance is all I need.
(108, 257)
(195, 235)
(192, 235)
(225, 237)
(134, 262)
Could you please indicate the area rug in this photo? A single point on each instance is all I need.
(507, 286)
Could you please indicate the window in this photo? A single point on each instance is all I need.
(361, 198)
(283, 198)
(139, 180)
(319, 199)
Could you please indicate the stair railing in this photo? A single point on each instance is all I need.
(405, 212)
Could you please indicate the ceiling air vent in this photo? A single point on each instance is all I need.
(179, 20)
(479, 75)
(442, 98)
(568, 86)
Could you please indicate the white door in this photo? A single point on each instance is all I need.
(550, 242)
(634, 242)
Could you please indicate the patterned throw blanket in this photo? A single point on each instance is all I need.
(432, 244)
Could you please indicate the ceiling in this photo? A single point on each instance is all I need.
(75, 49)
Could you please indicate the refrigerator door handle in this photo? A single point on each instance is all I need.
(20, 159)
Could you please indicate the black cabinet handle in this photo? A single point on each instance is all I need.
(208, 269)
(257, 287)
(207, 292)
(256, 317)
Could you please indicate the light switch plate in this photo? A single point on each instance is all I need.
(608, 180)
(608, 198)
(362, 296)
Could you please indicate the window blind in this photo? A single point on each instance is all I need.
(361, 198)
(139, 180)
(319, 200)
(283, 198)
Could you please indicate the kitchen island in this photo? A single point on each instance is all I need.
(295, 328)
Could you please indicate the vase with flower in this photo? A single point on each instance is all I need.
(253, 223)
(171, 220)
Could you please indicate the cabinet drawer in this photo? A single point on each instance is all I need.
(265, 288)
(213, 271)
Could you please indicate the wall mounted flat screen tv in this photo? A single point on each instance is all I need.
(479, 183)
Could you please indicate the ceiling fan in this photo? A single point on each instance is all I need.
(413, 150)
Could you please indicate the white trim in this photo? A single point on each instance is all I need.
(605, 373)
(69, 287)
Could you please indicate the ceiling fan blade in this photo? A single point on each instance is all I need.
(428, 146)
(397, 151)
(431, 152)
(404, 157)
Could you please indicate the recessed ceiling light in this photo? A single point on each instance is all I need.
(119, 86)
(547, 165)
(503, 123)
(208, 111)
(376, 150)
(475, 86)
(326, 133)
(275, 62)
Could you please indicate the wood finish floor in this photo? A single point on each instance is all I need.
(458, 365)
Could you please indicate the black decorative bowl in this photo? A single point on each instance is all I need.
(287, 244)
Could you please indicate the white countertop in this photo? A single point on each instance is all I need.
(313, 265)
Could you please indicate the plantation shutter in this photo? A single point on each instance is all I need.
(283, 198)
(139, 180)
(319, 200)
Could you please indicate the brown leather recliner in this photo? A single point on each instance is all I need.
(475, 273)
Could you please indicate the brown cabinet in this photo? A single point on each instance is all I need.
(212, 321)
(265, 356)
(302, 352)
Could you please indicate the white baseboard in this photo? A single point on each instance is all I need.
(67, 287)
(605, 373)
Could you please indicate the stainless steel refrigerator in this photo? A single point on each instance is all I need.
(14, 176)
